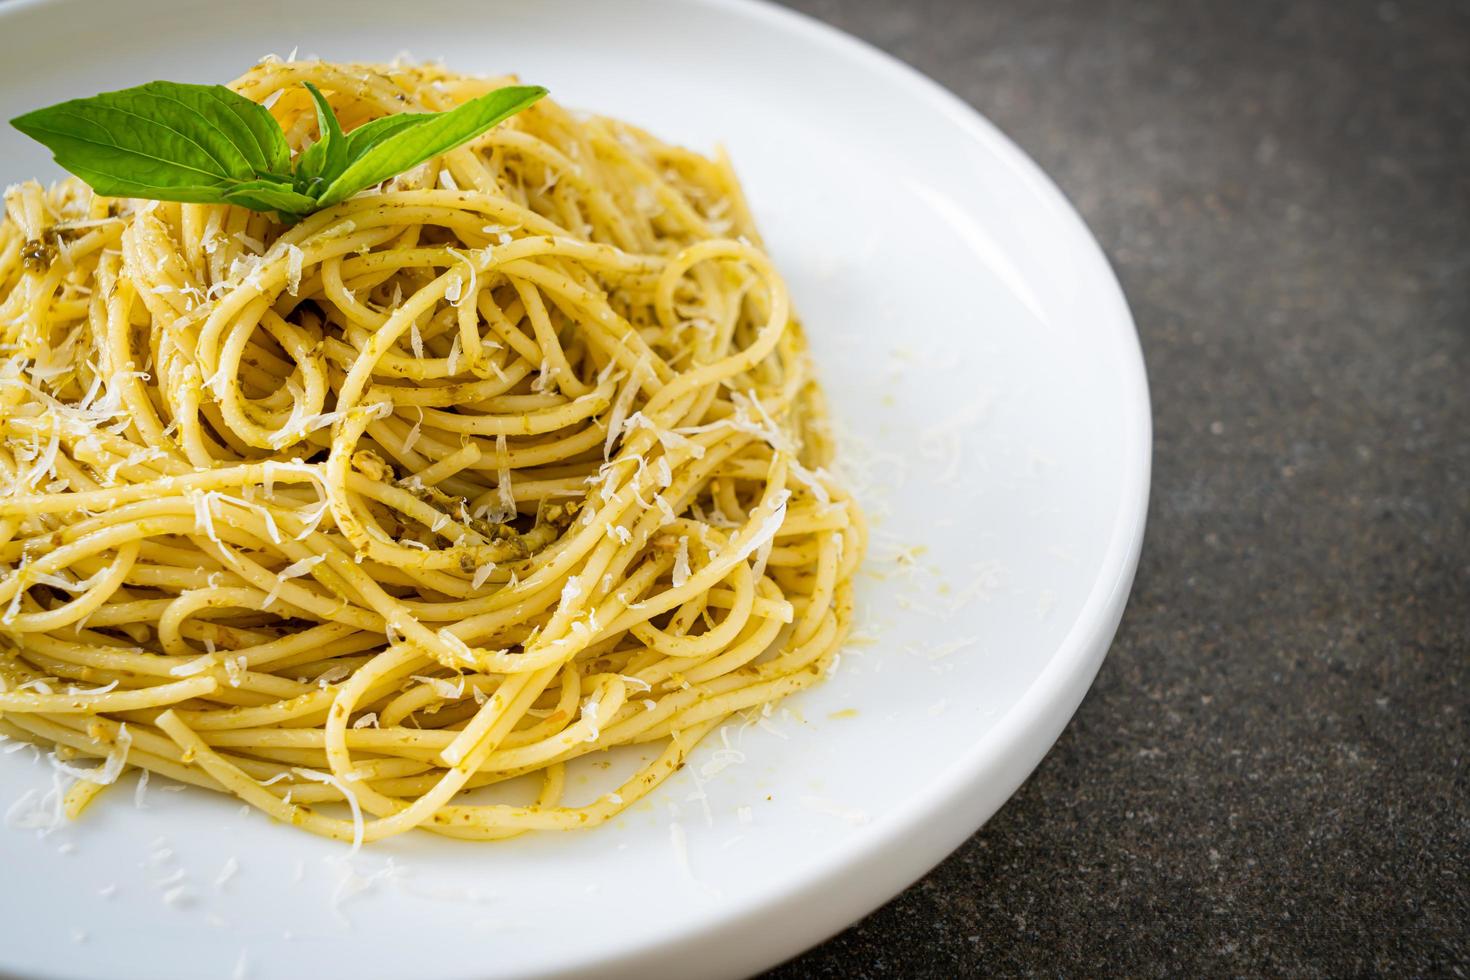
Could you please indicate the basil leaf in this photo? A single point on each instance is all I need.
(410, 145)
(250, 127)
(271, 195)
(110, 186)
(167, 141)
(370, 134)
(164, 140)
(320, 163)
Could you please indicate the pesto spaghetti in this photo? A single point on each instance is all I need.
(511, 459)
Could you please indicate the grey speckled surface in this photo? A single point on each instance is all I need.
(1270, 774)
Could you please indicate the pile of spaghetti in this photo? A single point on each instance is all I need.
(513, 459)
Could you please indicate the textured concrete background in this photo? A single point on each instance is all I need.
(1270, 774)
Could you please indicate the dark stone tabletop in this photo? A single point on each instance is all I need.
(1270, 774)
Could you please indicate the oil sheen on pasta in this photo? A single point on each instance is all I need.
(516, 459)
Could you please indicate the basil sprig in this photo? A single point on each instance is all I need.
(169, 141)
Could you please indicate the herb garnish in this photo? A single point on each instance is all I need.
(205, 144)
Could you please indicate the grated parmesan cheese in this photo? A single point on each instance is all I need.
(230, 869)
(504, 494)
(416, 340)
(452, 362)
(681, 563)
(298, 568)
(482, 573)
(294, 261)
(178, 896)
(198, 665)
(442, 686)
(348, 794)
(456, 645)
(112, 766)
(721, 760)
(38, 811)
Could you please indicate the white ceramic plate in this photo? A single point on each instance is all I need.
(973, 340)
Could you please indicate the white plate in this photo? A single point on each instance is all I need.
(968, 330)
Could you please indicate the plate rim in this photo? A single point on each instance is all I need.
(870, 868)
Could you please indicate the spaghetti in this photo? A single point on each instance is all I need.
(514, 459)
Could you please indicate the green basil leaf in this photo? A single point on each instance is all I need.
(249, 126)
(370, 134)
(410, 145)
(110, 186)
(321, 163)
(168, 141)
(164, 140)
(271, 195)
